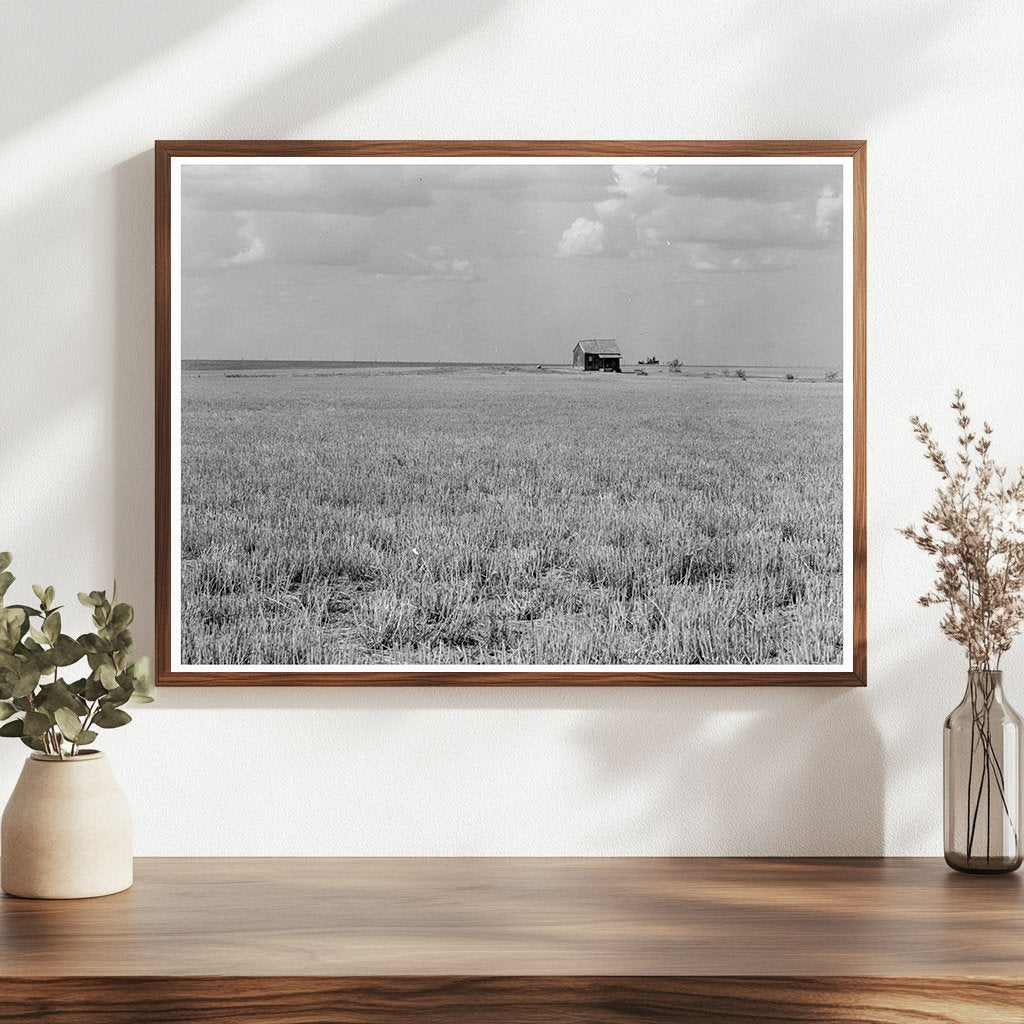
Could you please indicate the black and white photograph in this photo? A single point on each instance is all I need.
(511, 413)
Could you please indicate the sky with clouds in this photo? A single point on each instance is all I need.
(734, 264)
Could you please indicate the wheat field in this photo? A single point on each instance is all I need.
(501, 515)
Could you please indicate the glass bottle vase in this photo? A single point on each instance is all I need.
(981, 771)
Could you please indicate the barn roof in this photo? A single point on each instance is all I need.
(600, 346)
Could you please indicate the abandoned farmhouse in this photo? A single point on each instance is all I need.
(597, 354)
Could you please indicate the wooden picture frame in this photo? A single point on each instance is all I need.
(170, 156)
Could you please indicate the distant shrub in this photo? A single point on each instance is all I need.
(742, 374)
(674, 366)
(834, 375)
(790, 376)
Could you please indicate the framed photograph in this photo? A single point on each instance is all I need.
(510, 413)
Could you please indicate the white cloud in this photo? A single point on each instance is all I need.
(828, 213)
(725, 259)
(436, 264)
(582, 238)
(617, 231)
(639, 184)
(253, 250)
(644, 215)
(608, 208)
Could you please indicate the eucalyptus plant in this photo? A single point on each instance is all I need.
(37, 704)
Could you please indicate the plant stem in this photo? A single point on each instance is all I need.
(58, 739)
(970, 768)
(982, 698)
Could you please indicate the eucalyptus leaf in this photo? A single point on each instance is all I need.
(142, 682)
(36, 723)
(66, 651)
(69, 724)
(109, 717)
(59, 695)
(122, 616)
(51, 626)
(29, 611)
(27, 682)
(94, 689)
(13, 623)
(32, 645)
(115, 698)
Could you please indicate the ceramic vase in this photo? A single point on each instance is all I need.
(66, 831)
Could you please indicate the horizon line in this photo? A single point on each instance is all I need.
(496, 362)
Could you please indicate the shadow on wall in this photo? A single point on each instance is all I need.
(392, 41)
(647, 753)
(133, 468)
(751, 773)
(686, 771)
(848, 44)
(45, 51)
(384, 46)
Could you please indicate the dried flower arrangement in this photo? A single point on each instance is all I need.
(975, 528)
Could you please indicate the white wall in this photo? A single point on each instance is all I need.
(936, 88)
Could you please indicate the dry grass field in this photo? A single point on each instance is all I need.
(486, 515)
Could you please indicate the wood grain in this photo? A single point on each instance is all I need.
(497, 941)
(369, 917)
(166, 150)
(536, 1000)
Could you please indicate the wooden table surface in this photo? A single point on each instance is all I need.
(484, 939)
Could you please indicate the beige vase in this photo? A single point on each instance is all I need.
(66, 831)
